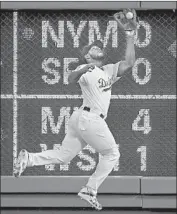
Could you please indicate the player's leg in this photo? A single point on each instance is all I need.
(71, 146)
(98, 135)
(106, 164)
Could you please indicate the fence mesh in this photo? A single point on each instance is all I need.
(49, 44)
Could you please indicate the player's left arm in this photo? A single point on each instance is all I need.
(130, 27)
(129, 60)
(125, 65)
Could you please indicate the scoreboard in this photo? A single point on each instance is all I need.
(38, 51)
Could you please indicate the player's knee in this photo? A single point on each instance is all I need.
(64, 161)
(115, 153)
(65, 155)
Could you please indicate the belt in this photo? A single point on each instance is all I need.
(88, 109)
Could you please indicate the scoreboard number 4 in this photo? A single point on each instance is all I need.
(145, 128)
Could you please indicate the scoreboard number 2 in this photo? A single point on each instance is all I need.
(143, 115)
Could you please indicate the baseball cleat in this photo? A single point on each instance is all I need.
(89, 195)
(21, 163)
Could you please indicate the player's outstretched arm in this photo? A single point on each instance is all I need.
(129, 24)
(129, 56)
(75, 75)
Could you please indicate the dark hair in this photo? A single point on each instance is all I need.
(86, 48)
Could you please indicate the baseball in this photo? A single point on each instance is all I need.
(129, 15)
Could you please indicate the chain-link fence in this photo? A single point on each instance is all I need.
(143, 107)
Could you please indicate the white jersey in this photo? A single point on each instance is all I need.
(96, 87)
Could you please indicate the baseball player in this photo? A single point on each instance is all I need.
(87, 125)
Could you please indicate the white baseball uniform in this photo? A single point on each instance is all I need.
(87, 127)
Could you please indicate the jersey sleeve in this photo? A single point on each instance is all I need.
(82, 78)
(79, 67)
(86, 78)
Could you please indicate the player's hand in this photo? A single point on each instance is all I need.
(128, 25)
(89, 67)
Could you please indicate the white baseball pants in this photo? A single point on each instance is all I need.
(84, 128)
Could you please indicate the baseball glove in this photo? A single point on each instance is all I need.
(128, 25)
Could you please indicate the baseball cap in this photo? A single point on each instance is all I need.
(86, 48)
